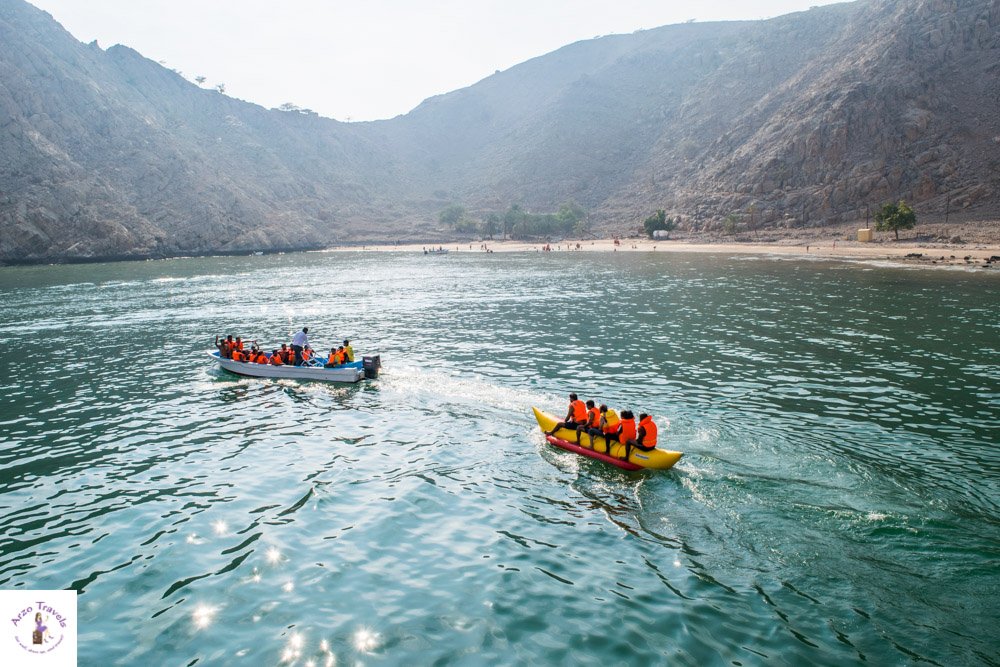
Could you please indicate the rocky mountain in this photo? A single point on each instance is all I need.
(806, 119)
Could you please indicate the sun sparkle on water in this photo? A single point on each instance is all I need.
(365, 640)
(203, 615)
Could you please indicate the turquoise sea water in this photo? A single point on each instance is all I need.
(838, 501)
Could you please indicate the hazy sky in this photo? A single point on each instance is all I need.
(368, 59)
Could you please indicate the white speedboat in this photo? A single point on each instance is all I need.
(352, 371)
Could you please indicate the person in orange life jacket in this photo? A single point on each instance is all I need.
(608, 427)
(593, 419)
(307, 355)
(239, 344)
(237, 355)
(275, 359)
(645, 438)
(337, 357)
(626, 427)
(260, 357)
(576, 415)
(286, 354)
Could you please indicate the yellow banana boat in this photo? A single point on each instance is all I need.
(564, 438)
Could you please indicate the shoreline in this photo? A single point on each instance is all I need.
(903, 252)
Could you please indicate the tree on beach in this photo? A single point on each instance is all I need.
(658, 222)
(512, 218)
(491, 224)
(893, 217)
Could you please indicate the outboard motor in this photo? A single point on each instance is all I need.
(371, 366)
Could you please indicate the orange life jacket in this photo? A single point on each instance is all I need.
(579, 411)
(332, 360)
(307, 355)
(595, 418)
(648, 440)
(239, 344)
(628, 431)
(276, 360)
(237, 355)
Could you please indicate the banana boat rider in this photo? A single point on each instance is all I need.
(575, 416)
(593, 419)
(607, 427)
(645, 437)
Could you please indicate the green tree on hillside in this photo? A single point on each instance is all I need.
(893, 217)
(570, 213)
(657, 222)
(731, 224)
(451, 215)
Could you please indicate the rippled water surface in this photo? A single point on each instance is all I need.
(838, 501)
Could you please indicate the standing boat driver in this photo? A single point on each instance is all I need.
(646, 438)
(299, 341)
(593, 419)
(575, 416)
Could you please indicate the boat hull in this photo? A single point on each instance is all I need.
(350, 372)
(564, 438)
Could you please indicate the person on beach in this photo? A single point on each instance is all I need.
(593, 419)
(299, 341)
(576, 415)
(608, 427)
(645, 438)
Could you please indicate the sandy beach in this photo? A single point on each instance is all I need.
(903, 252)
